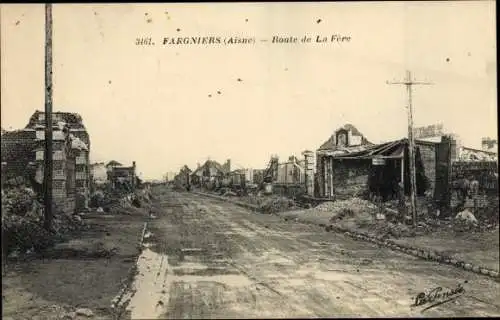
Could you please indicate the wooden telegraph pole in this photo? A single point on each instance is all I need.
(48, 118)
(408, 82)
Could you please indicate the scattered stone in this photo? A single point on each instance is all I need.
(476, 269)
(494, 273)
(100, 210)
(84, 312)
(69, 316)
(485, 271)
(380, 216)
(466, 216)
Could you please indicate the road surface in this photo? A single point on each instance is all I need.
(212, 259)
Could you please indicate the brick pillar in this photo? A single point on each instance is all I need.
(325, 175)
(309, 172)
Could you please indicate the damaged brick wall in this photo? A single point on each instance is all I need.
(350, 178)
(428, 158)
(17, 152)
(486, 173)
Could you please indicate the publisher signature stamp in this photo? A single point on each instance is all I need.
(437, 296)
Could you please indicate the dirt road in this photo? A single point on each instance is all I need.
(211, 259)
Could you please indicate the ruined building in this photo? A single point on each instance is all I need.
(23, 156)
(80, 139)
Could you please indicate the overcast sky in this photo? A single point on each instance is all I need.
(152, 104)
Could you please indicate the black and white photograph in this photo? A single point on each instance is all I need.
(249, 160)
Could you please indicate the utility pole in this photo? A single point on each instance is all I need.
(408, 82)
(48, 118)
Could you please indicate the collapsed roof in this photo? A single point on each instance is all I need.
(388, 150)
(394, 149)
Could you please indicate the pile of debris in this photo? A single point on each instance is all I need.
(354, 212)
(275, 205)
(141, 198)
(391, 230)
(113, 201)
(466, 221)
(257, 200)
(23, 219)
(354, 205)
(229, 193)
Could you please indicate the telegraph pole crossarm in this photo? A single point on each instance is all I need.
(409, 82)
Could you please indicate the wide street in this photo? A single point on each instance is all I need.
(212, 259)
